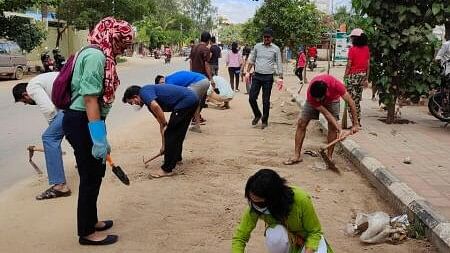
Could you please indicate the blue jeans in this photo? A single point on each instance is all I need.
(52, 138)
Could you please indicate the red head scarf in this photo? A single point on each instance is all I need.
(112, 37)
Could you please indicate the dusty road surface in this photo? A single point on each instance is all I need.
(197, 210)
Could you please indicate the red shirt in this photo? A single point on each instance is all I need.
(301, 61)
(359, 57)
(335, 90)
(312, 52)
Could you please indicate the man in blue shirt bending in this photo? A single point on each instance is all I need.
(182, 102)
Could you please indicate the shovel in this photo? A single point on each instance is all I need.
(330, 164)
(120, 174)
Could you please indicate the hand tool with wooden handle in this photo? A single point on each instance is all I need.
(151, 159)
(330, 164)
(121, 175)
(31, 149)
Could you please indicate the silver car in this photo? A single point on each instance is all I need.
(13, 62)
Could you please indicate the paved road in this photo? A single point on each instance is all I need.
(23, 125)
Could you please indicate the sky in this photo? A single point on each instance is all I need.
(238, 11)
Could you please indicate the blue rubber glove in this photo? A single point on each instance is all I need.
(100, 147)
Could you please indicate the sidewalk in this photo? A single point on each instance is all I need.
(425, 142)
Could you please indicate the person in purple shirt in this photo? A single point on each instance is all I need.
(182, 102)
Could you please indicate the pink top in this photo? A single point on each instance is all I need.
(234, 60)
(301, 61)
(359, 57)
(335, 90)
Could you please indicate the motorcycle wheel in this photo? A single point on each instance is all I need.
(435, 107)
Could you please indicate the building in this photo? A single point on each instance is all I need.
(323, 5)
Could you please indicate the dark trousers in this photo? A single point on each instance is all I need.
(174, 136)
(91, 170)
(234, 76)
(265, 82)
(299, 73)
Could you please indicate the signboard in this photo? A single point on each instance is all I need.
(342, 46)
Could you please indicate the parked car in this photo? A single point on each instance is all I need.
(13, 62)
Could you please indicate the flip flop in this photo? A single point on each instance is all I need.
(311, 153)
(292, 162)
(161, 176)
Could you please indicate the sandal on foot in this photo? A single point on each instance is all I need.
(52, 193)
(110, 239)
(292, 162)
(108, 225)
(151, 175)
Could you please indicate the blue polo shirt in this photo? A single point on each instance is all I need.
(184, 78)
(169, 97)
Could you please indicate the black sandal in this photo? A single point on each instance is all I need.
(52, 193)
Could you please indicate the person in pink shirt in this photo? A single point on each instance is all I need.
(358, 67)
(323, 96)
(301, 63)
(234, 62)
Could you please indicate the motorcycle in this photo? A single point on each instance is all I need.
(312, 63)
(47, 62)
(439, 102)
(59, 60)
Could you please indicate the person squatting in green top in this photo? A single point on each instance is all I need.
(292, 225)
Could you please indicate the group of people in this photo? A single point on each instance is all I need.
(291, 221)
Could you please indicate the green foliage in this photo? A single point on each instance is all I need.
(294, 22)
(201, 13)
(402, 45)
(231, 33)
(19, 29)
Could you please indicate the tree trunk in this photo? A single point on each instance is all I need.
(60, 33)
(44, 15)
(391, 112)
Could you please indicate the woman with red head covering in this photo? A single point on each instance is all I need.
(94, 83)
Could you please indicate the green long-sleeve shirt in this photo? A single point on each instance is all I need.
(302, 220)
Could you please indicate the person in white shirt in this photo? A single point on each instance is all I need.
(39, 92)
(443, 56)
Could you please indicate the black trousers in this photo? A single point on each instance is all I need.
(265, 82)
(174, 136)
(299, 73)
(234, 77)
(91, 170)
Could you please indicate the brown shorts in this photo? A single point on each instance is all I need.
(309, 112)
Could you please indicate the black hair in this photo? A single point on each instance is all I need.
(213, 39)
(205, 37)
(360, 41)
(268, 31)
(318, 89)
(158, 79)
(130, 92)
(278, 197)
(234, 47)
(18, 91)
(192, 42)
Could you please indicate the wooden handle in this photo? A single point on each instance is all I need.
(337, 140)
(109, 159)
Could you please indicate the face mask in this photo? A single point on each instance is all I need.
(136, 107)
(263, 210)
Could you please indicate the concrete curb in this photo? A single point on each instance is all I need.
(397, 193)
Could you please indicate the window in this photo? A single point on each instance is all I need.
(3, 48)
(15, 49)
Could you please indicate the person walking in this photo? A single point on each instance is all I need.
(93, 85)
(234, 62)
(292, 225)
(182, 102)
(216, 53)
(200, 57)
(301, 63)
(358, 68)
(266, 57)
(38, 91)
(323, 96)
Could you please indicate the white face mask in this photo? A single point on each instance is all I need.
(136, 107)
(263, 210)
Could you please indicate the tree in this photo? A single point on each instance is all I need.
(294, 22)
(231, 33)
(201, 12)
(19, 29)
(402, 46)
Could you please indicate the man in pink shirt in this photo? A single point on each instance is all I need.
(323, 96)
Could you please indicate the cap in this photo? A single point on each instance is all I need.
(268, 31)
(356, 32)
